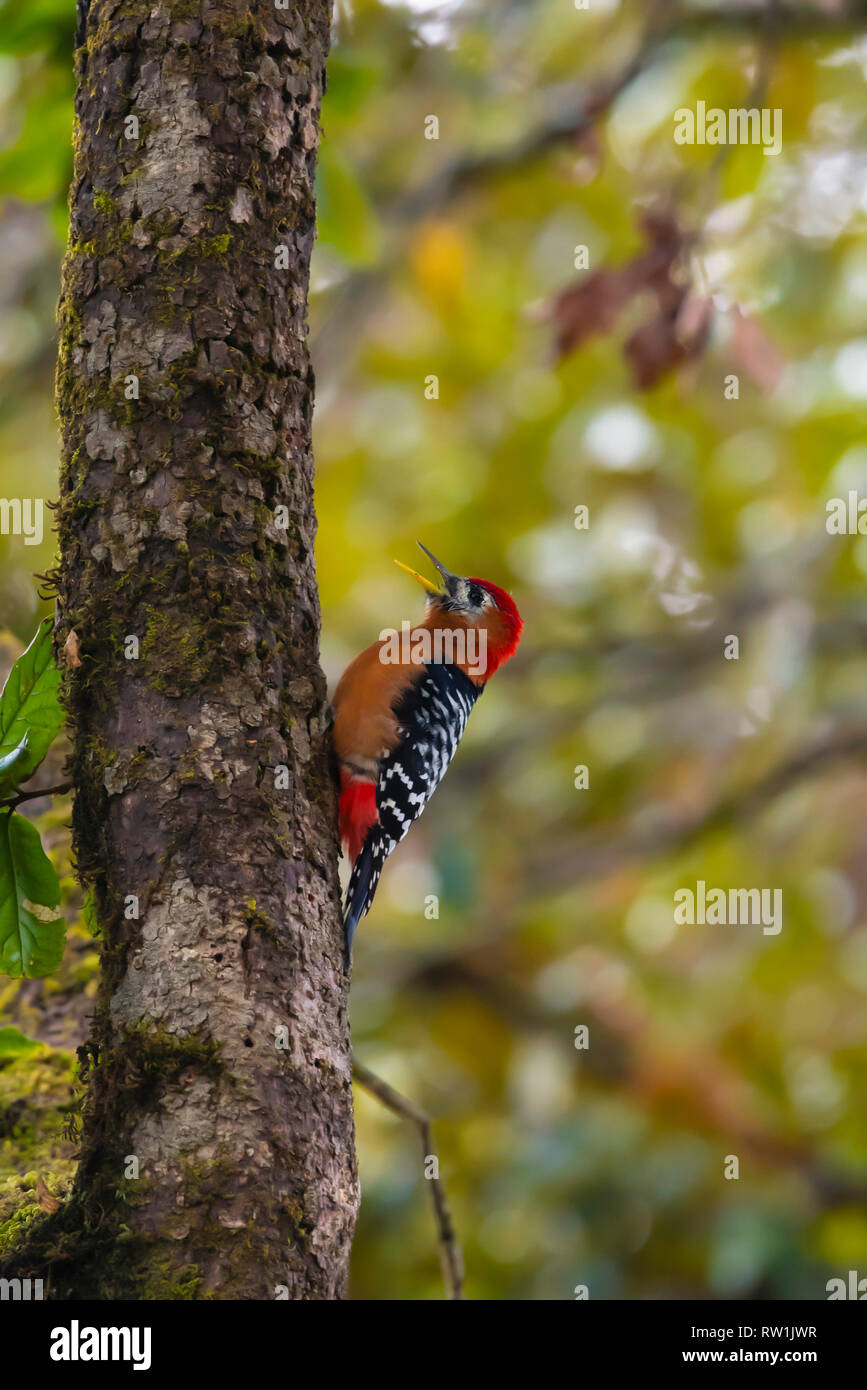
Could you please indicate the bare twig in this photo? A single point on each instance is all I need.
(568, 124)
(363, 288)
(772, 24)
(35, 793)
(795, 22)
(607, 847)
(451, 1258)
(628, 1056)
(664, 26)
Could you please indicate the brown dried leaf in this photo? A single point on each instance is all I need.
(655, 269)
(652, 350)
(45, 1198)
(668, 341)
(70, 649)
(593, 306)
(694, 318)
(754, 352)
(588, 308)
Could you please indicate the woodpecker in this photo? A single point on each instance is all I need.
(400, 709)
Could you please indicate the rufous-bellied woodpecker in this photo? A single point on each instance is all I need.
(399, 712)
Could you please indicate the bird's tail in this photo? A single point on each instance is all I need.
(362, 883)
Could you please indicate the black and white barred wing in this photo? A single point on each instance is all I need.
(433, 715)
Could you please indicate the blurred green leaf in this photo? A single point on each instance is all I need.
(14, 1043)
(38, 165)
(29, 708)
(346, 218)
(31, 26)
(31, 935)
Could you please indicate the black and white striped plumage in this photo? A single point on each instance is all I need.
(433, 714)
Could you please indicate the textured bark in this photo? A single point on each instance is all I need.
(170, 532)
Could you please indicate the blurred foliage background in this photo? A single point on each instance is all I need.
(455, 258)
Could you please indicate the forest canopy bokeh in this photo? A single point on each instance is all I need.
(554, 306)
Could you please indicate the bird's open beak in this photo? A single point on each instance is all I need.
(426, 583)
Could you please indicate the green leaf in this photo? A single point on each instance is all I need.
(14, 1043)
(8, 763)
(352, 77)
(40, 25)
(31, 933)
(34, 165)
(346, 219)
(29, 708)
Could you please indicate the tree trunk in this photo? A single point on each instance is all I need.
(204, 807)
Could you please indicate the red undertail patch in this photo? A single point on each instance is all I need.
(357, 812)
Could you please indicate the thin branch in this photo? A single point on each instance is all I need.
(607, 847)
(467, 170)
(794, 23)
(362, 290)
(773, 24)
(628, 1057)
(35, 793)
(451, 1258)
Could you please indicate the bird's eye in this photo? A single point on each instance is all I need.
(475, 596)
